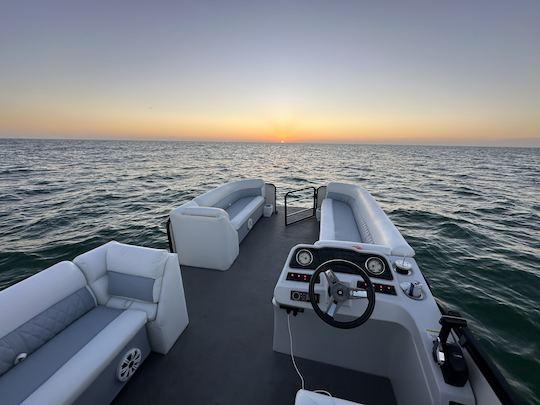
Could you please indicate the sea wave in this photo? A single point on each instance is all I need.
(471, 214)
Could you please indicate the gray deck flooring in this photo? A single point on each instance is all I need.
(225, 355)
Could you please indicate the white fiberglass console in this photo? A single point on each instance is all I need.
(366, 311)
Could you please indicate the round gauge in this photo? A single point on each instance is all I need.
(375, 266)
(304, 257)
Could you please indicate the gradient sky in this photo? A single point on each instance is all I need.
(465, 72)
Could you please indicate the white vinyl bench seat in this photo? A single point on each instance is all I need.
(207, 231)
(351, 216)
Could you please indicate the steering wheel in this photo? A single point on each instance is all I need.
(340, 292)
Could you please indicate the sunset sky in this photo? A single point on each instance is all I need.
(452, 72)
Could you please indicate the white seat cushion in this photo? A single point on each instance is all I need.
(77, 374)
(304, 397)
(124, 303)
(136, 260)
(345, 226)
(248, 209)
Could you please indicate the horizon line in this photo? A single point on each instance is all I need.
(535, 143)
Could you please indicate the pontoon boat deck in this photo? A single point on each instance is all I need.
(225, 355)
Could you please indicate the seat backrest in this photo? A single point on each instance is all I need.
(119, 270)
(225, 195)
(38, 308)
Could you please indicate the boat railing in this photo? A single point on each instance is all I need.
(304, 205)
(271, 195)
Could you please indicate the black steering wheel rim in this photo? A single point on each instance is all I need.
(370, 290)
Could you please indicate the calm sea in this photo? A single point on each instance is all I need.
(471, 214)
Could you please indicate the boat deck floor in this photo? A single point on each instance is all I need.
(225, 355)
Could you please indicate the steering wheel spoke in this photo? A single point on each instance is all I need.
(331, 277)
(333, 307)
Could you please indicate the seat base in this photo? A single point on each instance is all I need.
(106, 386)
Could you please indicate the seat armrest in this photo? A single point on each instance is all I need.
(212, 212)
(172, 317)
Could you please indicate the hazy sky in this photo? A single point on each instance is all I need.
(339, 71)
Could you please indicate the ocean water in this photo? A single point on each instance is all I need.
(472, 214)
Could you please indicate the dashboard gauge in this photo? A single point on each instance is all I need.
(304, 257)
(375, 266)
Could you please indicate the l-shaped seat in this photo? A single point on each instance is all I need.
(207, 231)
(351, 216)
(76, 331)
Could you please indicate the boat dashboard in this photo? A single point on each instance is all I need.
(310, 258)
(303, 260)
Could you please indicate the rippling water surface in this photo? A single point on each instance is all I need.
(471, 214)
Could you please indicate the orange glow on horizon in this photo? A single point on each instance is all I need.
(387, 127)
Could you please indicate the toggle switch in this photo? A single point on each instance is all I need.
(413, 289)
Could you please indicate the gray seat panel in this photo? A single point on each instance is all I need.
(23, 379)
(345, 223)
(127, 285)
(34, 333)
(238, 206)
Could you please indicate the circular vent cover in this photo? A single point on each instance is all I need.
(129, 363)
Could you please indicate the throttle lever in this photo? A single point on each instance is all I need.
(449, 356)
(449, 322)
